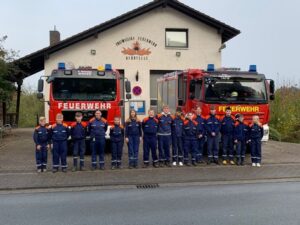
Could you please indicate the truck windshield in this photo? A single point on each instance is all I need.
(84, 89)
(235, 90)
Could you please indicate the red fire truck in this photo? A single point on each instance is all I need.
(84, 89)
(246, 92)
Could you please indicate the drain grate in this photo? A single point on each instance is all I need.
(147, 186)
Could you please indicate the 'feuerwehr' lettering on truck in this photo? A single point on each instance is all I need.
(83, 105)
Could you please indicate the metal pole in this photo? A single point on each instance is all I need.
(19, 83)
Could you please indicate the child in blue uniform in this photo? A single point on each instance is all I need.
(190, 135)
(201, 139)
(227, 127)
(59, 136)
(41, 137)
(177, 138)
(116, 134)
(149, 126)
(97, 129)
(256, 133)
(240, 137)
(133, 136)
(213, 126)
(78, 134)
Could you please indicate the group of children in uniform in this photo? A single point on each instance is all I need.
(186, 134)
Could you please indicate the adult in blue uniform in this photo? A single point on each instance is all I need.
(256, 133)
(227, 127)
(177, 138)
(201, 138)
(59, 136)
(190, 135)
(133, 136)
(149, 127)
(164, 136)
(96, 129)
(78, 134)
(240, 136)
(41, 138)
(213, 131)
(116, 134)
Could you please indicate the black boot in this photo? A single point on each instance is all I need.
(242, 162)
(216, 161)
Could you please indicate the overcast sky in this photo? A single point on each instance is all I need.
(269, 38)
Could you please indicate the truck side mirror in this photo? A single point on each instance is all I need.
(40, 85)
(39, 95)
(128, 96)
(192, 85)
(127, 86)
(272, 87)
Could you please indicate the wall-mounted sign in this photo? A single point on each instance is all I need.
(136, 48)
(138, 106)
(137, 90)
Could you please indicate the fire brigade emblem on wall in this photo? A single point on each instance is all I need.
(136, 50)
(140, 47)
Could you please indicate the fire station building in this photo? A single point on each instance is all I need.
(143, 44)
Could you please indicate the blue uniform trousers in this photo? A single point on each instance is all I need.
(227, 145)
(256, 150)
(59, 157)
(41, 157)
(177, 149)
(78, 150)
(133, 149)
(116, 152)
(164, 142)
(200, 147)
(190, 147)
(213, 147)
(98, 149)
(150, 144)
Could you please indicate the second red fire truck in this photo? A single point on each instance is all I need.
(246, 92)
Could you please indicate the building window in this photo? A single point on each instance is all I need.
(177, 38)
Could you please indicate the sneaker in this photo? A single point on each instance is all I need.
(168, 164)
(231, 162)
(209, 161)
(39, 170)
(64, 170)
(187, 164)
(224, 162)
(174, 164)
(216, 161)
(253, 164)
(161, 164)
(54, 170)
(74, 169)
(113, 167)
(180, 164)
(155, 165)
(102, 167)
(44, 170)
(194, 163)
(258, 165)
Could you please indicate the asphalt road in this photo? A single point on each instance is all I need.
(268, 203)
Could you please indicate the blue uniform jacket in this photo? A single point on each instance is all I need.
(190, 130)
(256, 131)
(78, 130)
(201, 123)
(149, 126)
(60, 132)
(116, 133)
(164, 124)
(240, 132)
(212, 125)
(41, 135)
(97, 128)
(133, 128)
(227, 125)
(177, 127)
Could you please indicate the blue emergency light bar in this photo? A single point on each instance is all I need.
(61, 66)
(252, 68)
(210, 67)
(108, 67)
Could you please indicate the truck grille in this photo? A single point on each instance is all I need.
(87, 115)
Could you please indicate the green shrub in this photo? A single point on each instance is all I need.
(274, 134)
